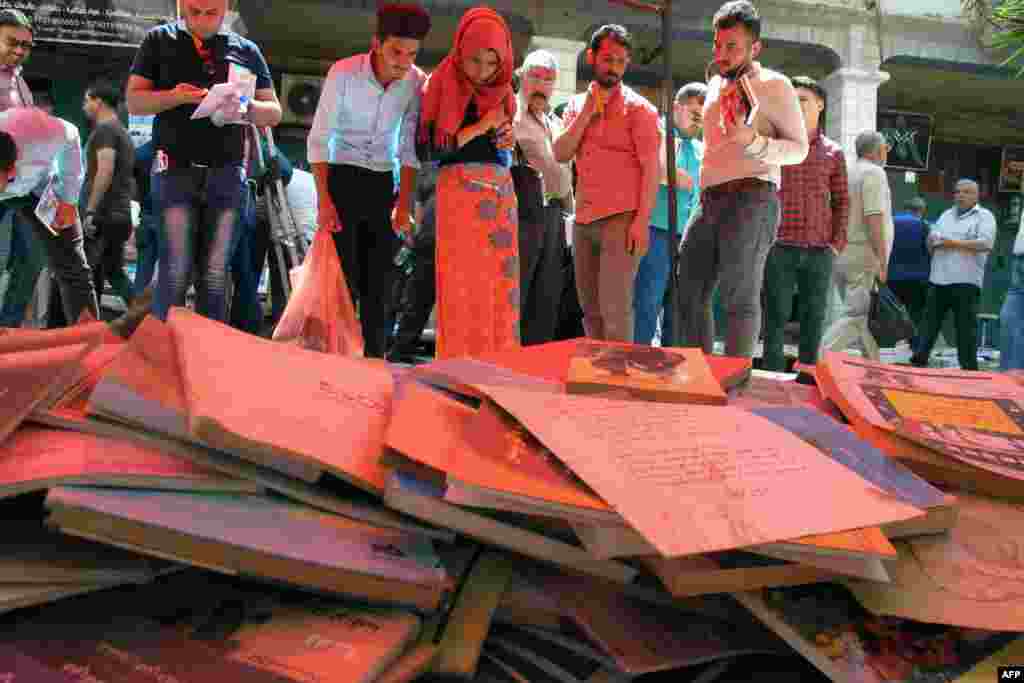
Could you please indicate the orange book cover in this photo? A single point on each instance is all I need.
(647, 373)
(510, 459)
(881, 394)
(999, 452)
(36, 458)
(694, 479)
(481, 448)
(142, 386)
(14, 339)
(266, 401)
(27, 378)
(971, 577)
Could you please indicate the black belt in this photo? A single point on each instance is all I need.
(739, 185)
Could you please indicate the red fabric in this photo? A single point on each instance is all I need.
(447, 92)
(815, 198)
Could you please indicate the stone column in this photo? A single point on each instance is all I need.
(567, 53)
(852, 104)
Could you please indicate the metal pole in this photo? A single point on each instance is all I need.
(668, 333)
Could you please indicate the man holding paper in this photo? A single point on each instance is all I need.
(30, 141)
(753, 126)
(198, 176)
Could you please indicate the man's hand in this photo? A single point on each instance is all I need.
(89, 226)
(506, 136)
(883, 273)
(637, 239)
(232, 110)
(66, 216)
(737, 130)
(186, 93)
(401, 224)
(593, 105)
(327, 216)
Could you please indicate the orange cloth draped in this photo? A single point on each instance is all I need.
(477, 261)
(447, 92)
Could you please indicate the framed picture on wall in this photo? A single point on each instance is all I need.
(909, 136)
(1011, 169)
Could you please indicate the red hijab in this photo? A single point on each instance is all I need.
(447, 92)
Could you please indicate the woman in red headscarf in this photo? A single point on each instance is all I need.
(466, 126)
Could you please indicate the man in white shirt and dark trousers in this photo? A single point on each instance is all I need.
(1011, 317)
(365, 100)
(960, 243)
(30, 141)
(735, 223)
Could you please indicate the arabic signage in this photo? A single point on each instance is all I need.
(94, 22)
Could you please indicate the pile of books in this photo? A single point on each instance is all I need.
(194, 501)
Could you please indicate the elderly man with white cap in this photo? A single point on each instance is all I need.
(541, 218)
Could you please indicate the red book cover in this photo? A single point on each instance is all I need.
(272, 403)
(36, 458)
(28, 377)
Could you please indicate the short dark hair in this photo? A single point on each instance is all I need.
(698, 90)
(737, 12)
(402, 20)
(620, 34)
(8, 151)
(16, 18)
(808, 83)
(106, 90)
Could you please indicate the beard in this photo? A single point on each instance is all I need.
(607, 80)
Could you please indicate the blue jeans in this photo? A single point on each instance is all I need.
(1011, 320)
(25, 262)
(246, 312)
(147, 249)
(199, 208)
(649, 289)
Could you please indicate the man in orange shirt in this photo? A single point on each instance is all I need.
(612, 132)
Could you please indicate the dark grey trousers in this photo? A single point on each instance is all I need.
(727, 243)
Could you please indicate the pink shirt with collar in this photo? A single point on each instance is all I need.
(608, 158)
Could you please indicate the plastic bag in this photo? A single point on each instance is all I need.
(320, 315)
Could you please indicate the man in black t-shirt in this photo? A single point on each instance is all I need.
(198, 179)
(107, 219)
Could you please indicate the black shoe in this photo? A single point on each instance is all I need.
(918, 362)
(806, 378)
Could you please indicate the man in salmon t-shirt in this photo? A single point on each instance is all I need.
(752, 127)
(612, 132)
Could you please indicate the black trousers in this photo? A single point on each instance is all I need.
(963, 300)
(913, 294)
(65, 254)
(419, 291)
(541, 248)
(367, 246)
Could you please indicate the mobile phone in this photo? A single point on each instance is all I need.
(749, 99)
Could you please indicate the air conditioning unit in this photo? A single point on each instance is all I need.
(299, 96)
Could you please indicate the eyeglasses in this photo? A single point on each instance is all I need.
(26, 45)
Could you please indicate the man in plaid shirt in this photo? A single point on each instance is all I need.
(815, 209)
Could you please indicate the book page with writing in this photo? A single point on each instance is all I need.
(695, 479)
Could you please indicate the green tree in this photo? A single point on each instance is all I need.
(1002, 25)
